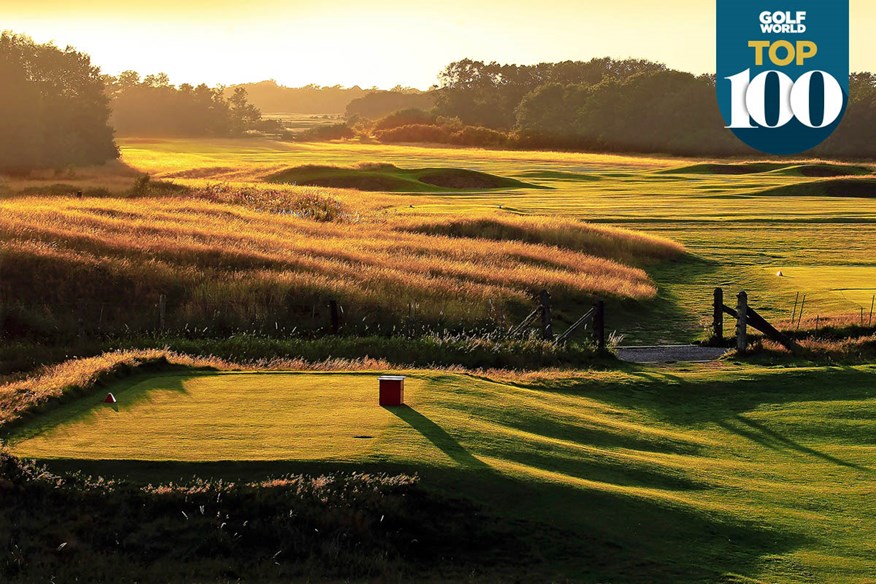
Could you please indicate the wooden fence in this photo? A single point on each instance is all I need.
(745, 316)
(83, 319)
(544, 316)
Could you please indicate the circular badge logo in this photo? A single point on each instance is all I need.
(783, 71)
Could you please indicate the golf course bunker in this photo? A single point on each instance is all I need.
(390, 178)
(229, 416)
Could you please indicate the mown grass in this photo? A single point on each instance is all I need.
(864, 188)
(763, 473)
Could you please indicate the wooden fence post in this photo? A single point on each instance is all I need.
(599, 326)
(333, 315)
(718, 316)
(162, 312)
(872, 304)
(742, 322)
(800, 316)
(547, 328)
(80, 318)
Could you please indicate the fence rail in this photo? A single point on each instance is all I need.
(84, 318)
(595, 315)
(746, 316)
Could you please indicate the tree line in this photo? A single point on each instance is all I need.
(153, 107)
(57, 110)
(626, 105)
(53, 108)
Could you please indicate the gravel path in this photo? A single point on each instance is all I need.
(670, 354)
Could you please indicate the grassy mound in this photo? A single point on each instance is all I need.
(728, 169)
(618, 244)
(824, 170)
(390, 178)
(808, 170)
(864, 188)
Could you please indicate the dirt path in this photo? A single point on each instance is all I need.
(670, 354)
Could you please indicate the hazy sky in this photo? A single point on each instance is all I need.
(379, 42)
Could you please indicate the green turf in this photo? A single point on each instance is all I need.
(761, 473)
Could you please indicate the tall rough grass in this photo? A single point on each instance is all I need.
(302, 202)
(835, 338)
(229, 260)
(609, 242)
(330, 527)
(819, 349)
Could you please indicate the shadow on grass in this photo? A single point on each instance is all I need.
(579, 535)
(671, 317)
(760, 433)
(129, 393)
(437, 436)
(690, 399)
(686, 401)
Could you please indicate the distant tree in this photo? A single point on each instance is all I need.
(378, 104)
(405, 117)
(651, 111)
(546, 116)
(484, 94)
(53, 108)
(154, 107)
(489, 94)
(856, 135)
(631, 105)
(127, 80)
(273, 98)
(158, 80)
(244, 115)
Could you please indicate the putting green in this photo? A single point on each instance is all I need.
(839, 289)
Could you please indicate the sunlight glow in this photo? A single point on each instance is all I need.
(381, 43)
